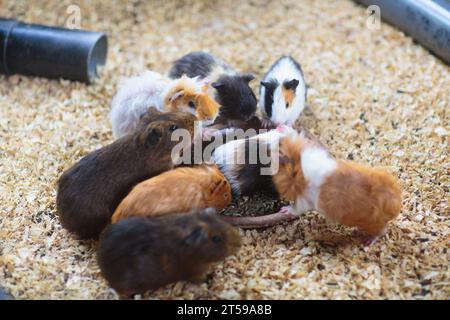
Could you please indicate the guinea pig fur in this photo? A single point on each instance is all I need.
(138, 254)
(180, 190)
(342, 191)
(230, 88)
(246, 178)
(89, 192)
(243, 173)
(137, 94)
(283, 92)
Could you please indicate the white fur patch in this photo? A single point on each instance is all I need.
(317, 165)
(225, 157)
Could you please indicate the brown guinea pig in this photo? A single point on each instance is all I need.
(89, 192)
(141, 253)
(180, 190)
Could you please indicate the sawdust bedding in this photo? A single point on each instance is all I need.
(376, 97)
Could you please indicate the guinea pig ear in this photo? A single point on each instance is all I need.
(197, 236)
(176, 95)
(291, 85)
(204, 84)
(153, 137)
(217, 84)
(248, 77)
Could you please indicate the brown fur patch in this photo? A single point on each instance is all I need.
(288, 95)
(289, 181)
(360, 197)
(180, 190)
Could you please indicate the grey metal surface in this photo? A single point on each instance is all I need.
(426, 21)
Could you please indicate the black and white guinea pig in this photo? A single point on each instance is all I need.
(231, 89)
(283, 92)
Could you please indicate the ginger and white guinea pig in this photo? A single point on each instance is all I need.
(230, 89)
(282, 94)
(180, 190)
(150, 89)
(145, 253)
(343, 191)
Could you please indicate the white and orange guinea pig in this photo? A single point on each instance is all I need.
(151, 89)
(343, 191)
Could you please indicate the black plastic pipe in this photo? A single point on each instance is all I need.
(50, 52)
(426, 21)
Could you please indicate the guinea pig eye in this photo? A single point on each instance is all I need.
(173, 127)
(287, 105)
(225, 195)
(216, 239)
(191, 104)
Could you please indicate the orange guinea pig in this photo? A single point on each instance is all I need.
(180, 190)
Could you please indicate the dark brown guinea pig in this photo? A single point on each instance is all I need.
(89, 192)
(145, 253)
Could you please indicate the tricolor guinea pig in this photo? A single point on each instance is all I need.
(230, 88)
(180, 190)
(138, 254)
(248, 164)
(343, 191)
(282, 94)
(150, 89)
(89, 192)
(242, 162)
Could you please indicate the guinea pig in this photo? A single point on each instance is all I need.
(246, 175)
(243, 172)
(343, 191)
(89, 192)
(282, 94)
(136, 95)
(138, 254)
(180, 190)
(230, 88)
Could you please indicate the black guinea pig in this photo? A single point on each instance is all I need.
(138, 254)
(232, 92)
(90, 191)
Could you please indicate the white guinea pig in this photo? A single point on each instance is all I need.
(283, 92)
